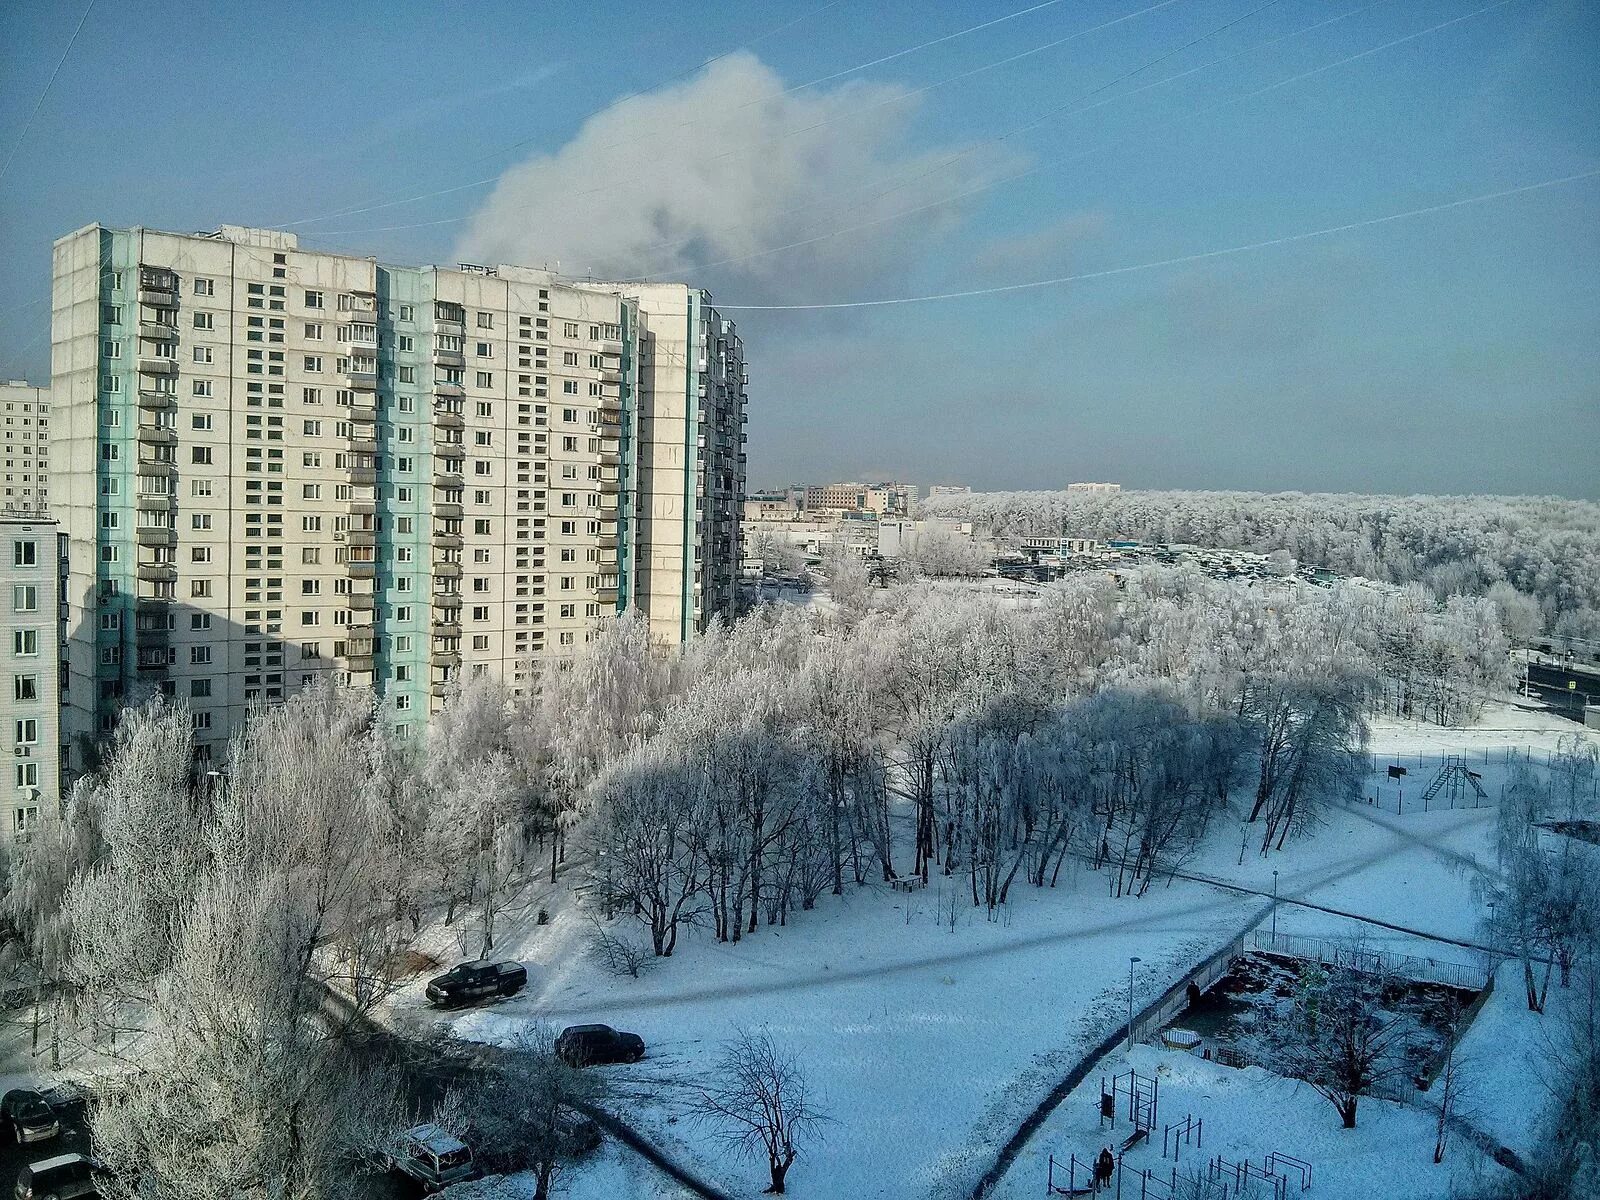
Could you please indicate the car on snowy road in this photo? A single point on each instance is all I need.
(469, 982)
(28, 1117)
(594, 1045)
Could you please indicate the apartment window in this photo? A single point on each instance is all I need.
(569, 329)
(200, 487)
(200, 689)
(311, 524)
(313, 362)
(311, 587)
(200, 554)
(199, 621)
(406, 374)
(201, 521)
(311, 491)
(27, 731)
(312, 428)
(200, 588)
(485, 349)
(310, 617)
(204, 320)
(27, 777)
(313, 299)
(26, 687)
(25, 598)
(202, 720)
(310, 556)
(202, 387)
(485, 320)
(202, 355)
(405, 313)
(204, 287)
(311, 395)
(111, 349)
(24, 554)
(314, 331)
(569, 387)
(200, 421)
(111, 314)
(200, 455)
(199, 655)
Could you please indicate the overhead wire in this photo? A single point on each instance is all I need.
(48, 84)
(897, 98)
(857, 68)
(1179, 260)
(1035, 169)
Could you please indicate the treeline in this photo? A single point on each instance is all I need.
(1543, 547)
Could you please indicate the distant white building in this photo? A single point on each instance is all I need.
(1094, 487)
(27, 447)
(948, 489)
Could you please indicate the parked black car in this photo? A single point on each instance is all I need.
(592, 1045)
(65, 1177)
(27, 1116)
(474, 981)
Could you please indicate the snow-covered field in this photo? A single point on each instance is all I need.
(927, 1045)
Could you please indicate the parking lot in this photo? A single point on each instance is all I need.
(14, 1157)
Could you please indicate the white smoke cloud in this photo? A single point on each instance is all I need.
(727, 166)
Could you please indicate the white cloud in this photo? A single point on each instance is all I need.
(728, 166)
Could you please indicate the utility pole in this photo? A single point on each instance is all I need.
(1274, 910)
(1131, 963)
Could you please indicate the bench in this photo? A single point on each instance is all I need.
(908, 883)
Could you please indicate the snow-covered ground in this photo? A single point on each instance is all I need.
(928, 1045)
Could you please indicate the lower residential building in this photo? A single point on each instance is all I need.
(30, 705)
(275, 464)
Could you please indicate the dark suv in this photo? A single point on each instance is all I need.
(28, 1116)
(67, 1177)
(591, 1045)
(474, 981)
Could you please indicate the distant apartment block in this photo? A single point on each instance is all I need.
(275, 464)
(879, 499)
(30, 702)
(27, 447)
(1094, 487)
(949, 489)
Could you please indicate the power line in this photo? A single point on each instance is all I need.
(1179, 260)
(992, 141)
(28, 124)
(898, 98)
(983, 187)
(852, 70)
(610, 104)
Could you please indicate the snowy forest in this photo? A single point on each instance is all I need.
(1543, 547)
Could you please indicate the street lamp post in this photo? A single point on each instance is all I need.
(1274, 910)
(1131, 963)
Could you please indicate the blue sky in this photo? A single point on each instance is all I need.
(1458, 351)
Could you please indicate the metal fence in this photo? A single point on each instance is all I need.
(1470, 977)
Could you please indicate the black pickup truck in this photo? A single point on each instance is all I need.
(473, 981)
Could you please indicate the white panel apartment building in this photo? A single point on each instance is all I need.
(275, 463)
(27, 447)
(29, 696)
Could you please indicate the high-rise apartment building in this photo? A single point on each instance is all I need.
(29, 697)
(27, 447)
(275, 463)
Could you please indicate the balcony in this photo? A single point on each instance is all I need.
(359, 662)
(447, 628)
(612, 403)
(362, 476)
(362, 569)
(158, 435)
(448, 326)
(447, 509)
(607, 541)
(362, 339)
(149, 466)
(446, 541)
(155, 535)
(446, 419)
(449, 358)
(155, 501)
(361, 381)
(157, 332)
(158, 573)
(154, 399)
(447, 570)
(442, 387)
(609, 487)
(363, 445)
(613, 348)
(610, 458)
(446, 478)
(366, 506)
(444, 658)
(607, 595)
(362, 601)
(363, 406)
(158, 366)
(157, 299)
(363, 537)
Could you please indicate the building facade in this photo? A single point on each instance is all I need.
(878, 499)
(27, 447)
(30, 564)
(275, 464)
